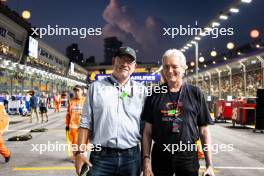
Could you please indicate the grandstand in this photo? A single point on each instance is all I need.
(237, 77)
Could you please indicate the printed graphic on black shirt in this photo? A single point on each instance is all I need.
(172, 125)
(171, 112)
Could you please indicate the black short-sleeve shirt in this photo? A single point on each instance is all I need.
(192, 110)
(188, 110)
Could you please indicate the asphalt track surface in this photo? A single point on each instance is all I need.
(246, 157)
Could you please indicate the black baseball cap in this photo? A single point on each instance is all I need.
(77, 87)
(125, 50)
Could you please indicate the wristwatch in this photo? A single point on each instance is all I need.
(78, 152)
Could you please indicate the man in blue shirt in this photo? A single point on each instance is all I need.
(111, 119)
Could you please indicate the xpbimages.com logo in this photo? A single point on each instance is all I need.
(62, 147)
(82, 32)
(189, 147)
(182, 30)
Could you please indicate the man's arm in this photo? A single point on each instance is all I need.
(80, 160)
(147, 133)
(147, 139)
(83, 134)
(206, 143)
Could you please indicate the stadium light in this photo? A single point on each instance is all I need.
(201, 59)
(234, 10)
(215, 24)
(197, 38)
(26, 14)
(208, 29)
(254, 33)
(223, 17)
(230, 45)
(213, 53)
(246, 1)
(202, 34)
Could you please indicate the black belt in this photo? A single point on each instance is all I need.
(110, 150)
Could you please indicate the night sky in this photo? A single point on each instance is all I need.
(139, 23)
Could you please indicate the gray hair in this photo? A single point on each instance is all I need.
(175, 53)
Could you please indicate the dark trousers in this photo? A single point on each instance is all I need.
(114, 162)
(163, 165)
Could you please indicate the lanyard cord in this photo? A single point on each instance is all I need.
(179, 98)
(114, 84)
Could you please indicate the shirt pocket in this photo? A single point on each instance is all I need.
(133, 106)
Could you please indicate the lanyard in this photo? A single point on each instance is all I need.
(175, 108)
(123, 94)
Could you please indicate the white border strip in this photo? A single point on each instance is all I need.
(236, 167)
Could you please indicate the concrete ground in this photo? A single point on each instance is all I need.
(238, 151)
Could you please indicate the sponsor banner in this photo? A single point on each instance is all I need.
(140, 77)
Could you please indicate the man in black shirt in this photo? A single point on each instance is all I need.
(175, 120)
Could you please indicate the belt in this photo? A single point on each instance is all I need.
(110, 150)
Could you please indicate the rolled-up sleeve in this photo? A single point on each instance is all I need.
(87, 114)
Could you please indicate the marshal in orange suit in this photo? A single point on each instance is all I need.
(4, 120)
(57, 102)
(73, 115)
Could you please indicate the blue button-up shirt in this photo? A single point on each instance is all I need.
(113, 117)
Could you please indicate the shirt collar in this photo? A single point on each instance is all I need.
(116, 81)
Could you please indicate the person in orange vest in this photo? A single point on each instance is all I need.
(73, 115)
(57, 102)
(4, 120)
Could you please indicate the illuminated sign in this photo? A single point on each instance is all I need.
(139, 77)
(33, 47)
(73, 73)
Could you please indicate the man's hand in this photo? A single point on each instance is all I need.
(209, 171)
(147, 170)
(80, 160)
(206, 141)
